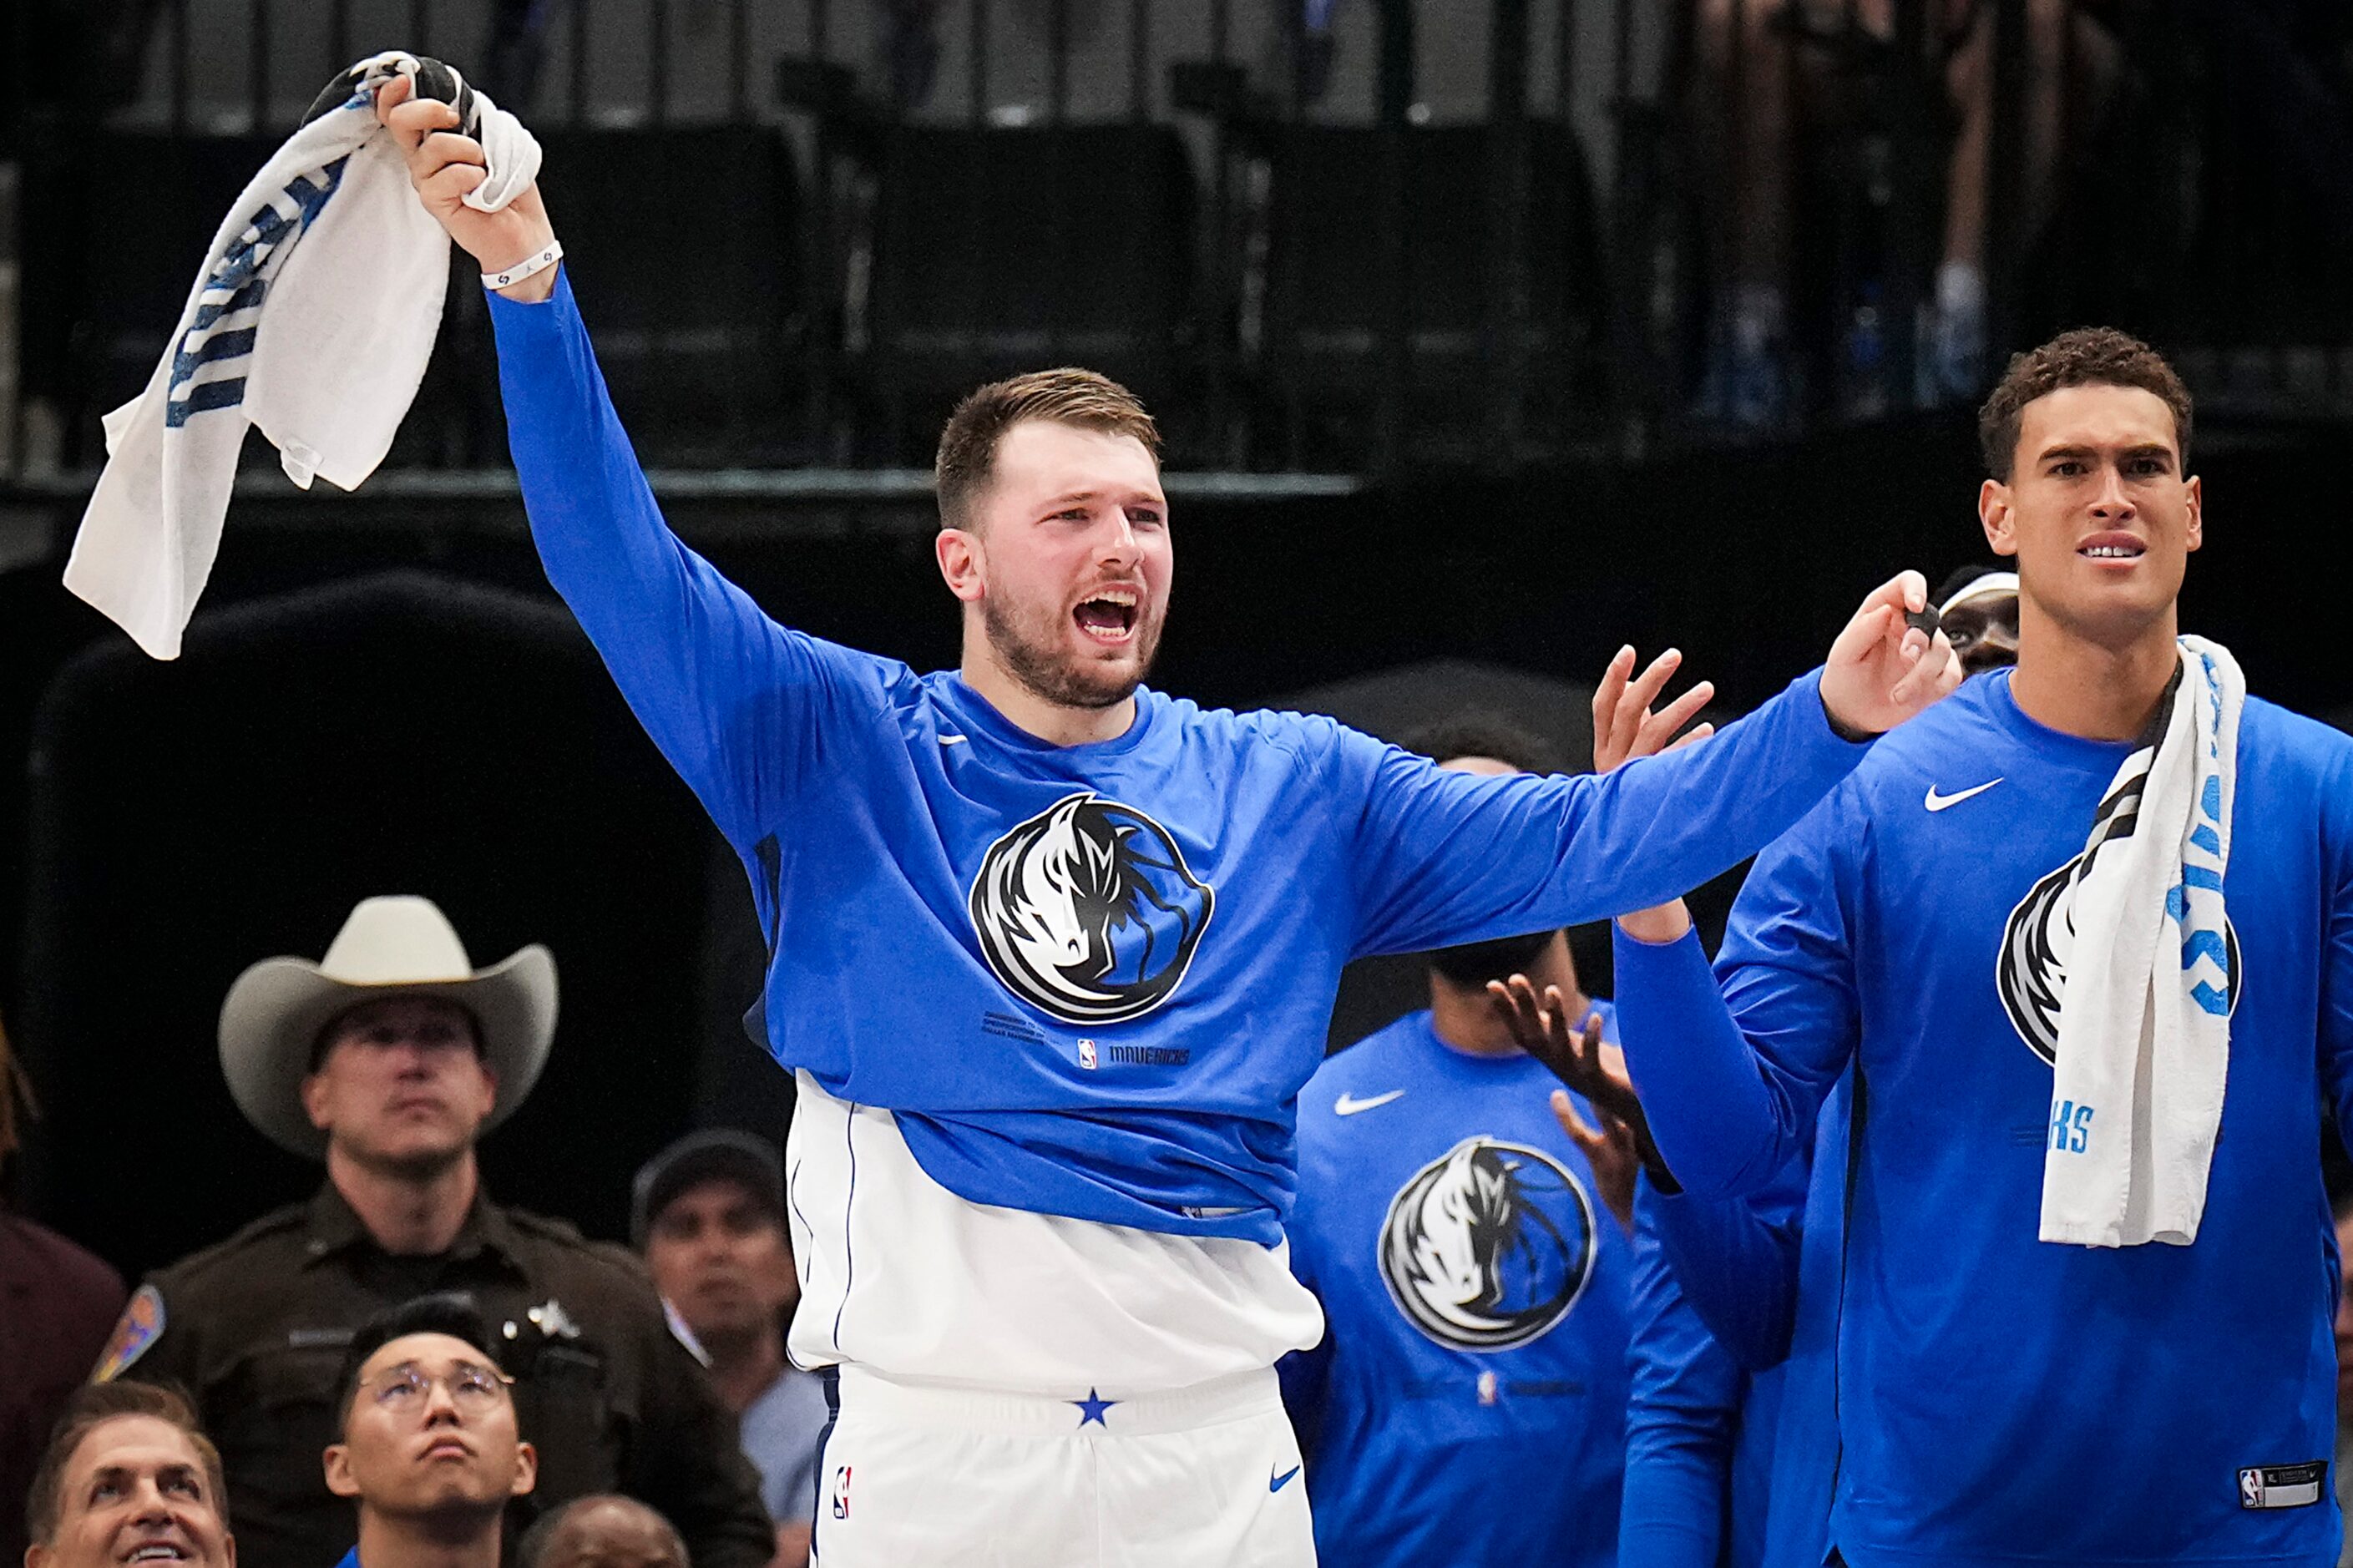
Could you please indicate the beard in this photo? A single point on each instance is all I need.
(1028, 643)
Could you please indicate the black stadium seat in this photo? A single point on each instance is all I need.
(998, 251)
(1326, 315)
(683, 245)
(148, 205)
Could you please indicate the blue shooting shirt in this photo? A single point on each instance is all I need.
(1468, 1403)
(2001, 1400)
(1699, 1427)
(1089, 979)
(1731, 1431)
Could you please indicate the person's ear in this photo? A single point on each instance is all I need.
(526, 1474)
(963, 564)
(337, 1464)
(1994, 513)
(36, 1555)
(2196, 491)
(489, 1087)
(228, 1551)
(314, 1098)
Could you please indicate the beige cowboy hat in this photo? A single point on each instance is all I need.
(272, 1017)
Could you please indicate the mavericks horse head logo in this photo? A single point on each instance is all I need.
(1488, 1246)
(1089, 912)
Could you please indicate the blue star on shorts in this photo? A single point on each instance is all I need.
(1092, 1409)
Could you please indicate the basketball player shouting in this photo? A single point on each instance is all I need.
(1052, 953)
(2077, 1325)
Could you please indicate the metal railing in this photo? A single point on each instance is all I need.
(2230, 133)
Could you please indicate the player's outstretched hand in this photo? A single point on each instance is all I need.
(1881, 669)
(444, 166)
(1623, 724)
(1578, 1057)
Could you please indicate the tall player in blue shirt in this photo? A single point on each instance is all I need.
(1731, 1429)
(2003, 1400)
(1051, 953)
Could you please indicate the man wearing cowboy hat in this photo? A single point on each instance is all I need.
(388, 1060)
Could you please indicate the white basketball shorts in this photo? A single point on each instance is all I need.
(919, 1476)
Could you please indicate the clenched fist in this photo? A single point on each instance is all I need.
(443, 165)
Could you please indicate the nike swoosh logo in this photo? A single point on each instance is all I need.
(1276, 1485)
(1348, 1104)
(1939, 802)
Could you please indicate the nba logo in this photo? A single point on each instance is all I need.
(1487, 1389)
(2250, 1489)
(841, 1492)
(1087, 1054)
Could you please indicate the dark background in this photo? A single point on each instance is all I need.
(1426, 331)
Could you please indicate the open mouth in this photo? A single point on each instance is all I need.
(159, 1551)
(1109, 617)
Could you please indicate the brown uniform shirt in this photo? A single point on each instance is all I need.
(255, 1329)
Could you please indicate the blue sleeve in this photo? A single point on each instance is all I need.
(1732, 1064)
(1683, 1416)
(1441, 858)
(734, 700)
(2336, 944)
(1735, 1261)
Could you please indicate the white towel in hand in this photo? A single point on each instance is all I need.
(312, 318)
(2145, 1022)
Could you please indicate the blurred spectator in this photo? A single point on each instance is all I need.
(55, 1301)
(389, 1060)
(1978, 609)
(1468, 1401)
(128, 1472)
(710, 1215)
(1753, 62)
(601, 1532)
(431, 1448)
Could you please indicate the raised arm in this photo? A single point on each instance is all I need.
(1733, 1064)
(1736, 1262)
(1443, 857)
(730, 697)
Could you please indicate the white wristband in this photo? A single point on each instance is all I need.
(523, 269)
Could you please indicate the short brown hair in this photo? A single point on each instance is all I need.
(1086, 398)
(91, 1407)
(2087, 356)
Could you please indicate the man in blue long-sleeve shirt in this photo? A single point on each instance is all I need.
(1051, 953)
(2003, 1399)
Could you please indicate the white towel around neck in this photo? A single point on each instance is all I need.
(2145, 1020)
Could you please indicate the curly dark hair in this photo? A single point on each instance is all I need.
(2087, 356)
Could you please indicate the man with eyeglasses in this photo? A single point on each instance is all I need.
(388, 1060)
(431, 1449)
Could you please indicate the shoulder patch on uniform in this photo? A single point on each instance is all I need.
(140, 1325)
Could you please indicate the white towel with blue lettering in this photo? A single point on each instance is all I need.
(312, 320)
(2144, 1021)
